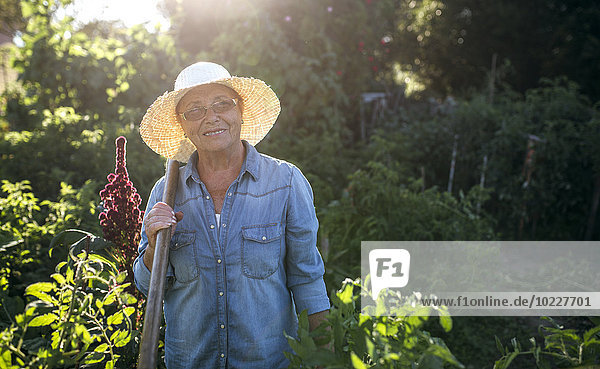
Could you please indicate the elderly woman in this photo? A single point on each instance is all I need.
(243, 257)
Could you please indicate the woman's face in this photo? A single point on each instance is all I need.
(214, 132)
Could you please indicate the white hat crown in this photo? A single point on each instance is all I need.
(200, 73)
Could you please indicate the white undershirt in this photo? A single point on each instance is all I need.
(218, 216)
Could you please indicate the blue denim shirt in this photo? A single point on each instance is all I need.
(232, 290)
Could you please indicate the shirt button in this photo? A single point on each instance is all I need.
(229, 194)
(222, 355)
(207, 197)
(219, 261)
(212, 226)
(224, 225)
(222, 326)
(221, 293)
(264, 238)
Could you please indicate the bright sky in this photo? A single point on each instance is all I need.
(131, 12)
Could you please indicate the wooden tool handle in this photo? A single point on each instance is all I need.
(156, 291)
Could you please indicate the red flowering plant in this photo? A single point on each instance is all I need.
(121, 219)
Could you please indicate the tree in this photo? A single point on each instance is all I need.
(79, 92)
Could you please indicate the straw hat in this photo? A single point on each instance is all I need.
(160, 128)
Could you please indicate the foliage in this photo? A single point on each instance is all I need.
(81, 317)
(349, 339)
(564, 348)
(543, 164)
(448, 46)
(28, 226)
(80, 90)
(445, 46)
(379, 205)
(527, 164)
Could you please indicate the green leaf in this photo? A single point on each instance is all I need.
(122, 339)
(100, 259)
(499, 345)
(345, 295)
(446, 322)
(39, 287)
(121, 277)
(127, 298)
(101, 348)
(116, 318)
(357, 363)
(59, 278)
(591, 333)
(110, 298)
(443, 353)
(505, 361)
(43, 320)
(129, 310)
(93, 358)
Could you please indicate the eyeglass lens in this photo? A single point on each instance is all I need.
(218, 107)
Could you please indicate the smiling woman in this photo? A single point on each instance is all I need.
(243, 253)
(130, 12)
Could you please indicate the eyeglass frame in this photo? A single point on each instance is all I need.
(235, 103)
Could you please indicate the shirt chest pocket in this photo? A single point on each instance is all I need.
(182, 256)
(261, 249)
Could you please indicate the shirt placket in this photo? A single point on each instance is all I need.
(220, 277)
(220, 234)
(223, 231)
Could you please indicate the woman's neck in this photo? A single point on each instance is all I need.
(213, 162)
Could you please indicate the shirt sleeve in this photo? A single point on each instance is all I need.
(141, 273)
(304, 264)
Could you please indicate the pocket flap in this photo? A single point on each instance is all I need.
(263, 233)
(182, 239)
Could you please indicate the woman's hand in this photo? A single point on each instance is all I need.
(161, 216)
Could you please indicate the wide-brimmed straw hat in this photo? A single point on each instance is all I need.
(160, 128)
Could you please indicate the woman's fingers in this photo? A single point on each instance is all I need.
(161, 216)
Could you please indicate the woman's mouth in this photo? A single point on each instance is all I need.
(214, 133)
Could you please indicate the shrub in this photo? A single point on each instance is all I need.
(361, 341)
(81, 317)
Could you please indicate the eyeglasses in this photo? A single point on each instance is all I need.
(220, 106)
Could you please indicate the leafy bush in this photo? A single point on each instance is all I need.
(349, 339)
(81, 317)
(564, 348)
(380, 205)
(28, 225)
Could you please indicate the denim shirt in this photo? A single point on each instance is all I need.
(232, 290)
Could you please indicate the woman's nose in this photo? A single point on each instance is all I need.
(210, 116)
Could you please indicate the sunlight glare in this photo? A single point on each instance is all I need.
(130, 12)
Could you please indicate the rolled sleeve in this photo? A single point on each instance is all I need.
(311, 296)
(141, 274)
(305, 267)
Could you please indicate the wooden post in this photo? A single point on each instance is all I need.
(156, 291)
(452, 164)
(482, 180)
(594, 209)
(492, 78)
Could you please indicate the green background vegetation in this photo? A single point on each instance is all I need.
(506, 90)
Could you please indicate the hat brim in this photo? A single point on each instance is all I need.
(161, 131)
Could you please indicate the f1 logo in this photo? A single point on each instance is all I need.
(388, 268)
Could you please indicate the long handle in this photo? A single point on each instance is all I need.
(154, 303)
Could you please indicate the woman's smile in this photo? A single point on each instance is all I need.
(214, 133)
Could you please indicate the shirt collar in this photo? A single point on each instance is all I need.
(250, 164)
